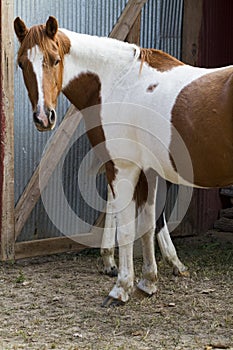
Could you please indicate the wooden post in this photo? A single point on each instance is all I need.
(7, 132)
(127, 19)
(191, 30)
(134, 34)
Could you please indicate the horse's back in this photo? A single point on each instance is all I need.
(197, 103)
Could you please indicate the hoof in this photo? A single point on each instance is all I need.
(141, 294)
(112, 302)
(147, 287)
(184, 273)
(113, 272)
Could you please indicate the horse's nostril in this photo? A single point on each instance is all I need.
(52, 116)
(36, 119)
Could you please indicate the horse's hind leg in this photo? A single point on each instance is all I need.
(167, 248)
(156, 201)
(163, 236)
(108, 239)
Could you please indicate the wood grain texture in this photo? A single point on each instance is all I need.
(191, 30)
(7, 132)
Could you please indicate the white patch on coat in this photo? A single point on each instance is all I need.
(36, 57)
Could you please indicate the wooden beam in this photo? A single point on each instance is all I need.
(46, 167)
(7, 132)
(62, 244)
(47, 246)
(192, 18)
(127, 19)
(134, 33)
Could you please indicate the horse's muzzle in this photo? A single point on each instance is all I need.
(45, 119)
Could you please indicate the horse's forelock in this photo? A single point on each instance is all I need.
(37, 36)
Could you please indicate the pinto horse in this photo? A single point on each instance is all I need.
(145, 111)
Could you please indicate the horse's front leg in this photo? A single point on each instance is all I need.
(125, 210)
(146, 229)
(148, 282)
(125, 238)
(108, 239)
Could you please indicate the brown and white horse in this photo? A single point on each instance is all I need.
(144, 111)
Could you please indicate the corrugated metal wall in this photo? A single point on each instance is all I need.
(160, 28)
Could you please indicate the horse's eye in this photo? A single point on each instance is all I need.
(57, 61)
(20, 64)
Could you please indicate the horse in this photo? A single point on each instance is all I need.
(108, 243)
(144, 110)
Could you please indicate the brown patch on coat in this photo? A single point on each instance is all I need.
(151, 87)
(30, 83)
(83, 92)
(203, 116)
(145, 188)
(158, 59)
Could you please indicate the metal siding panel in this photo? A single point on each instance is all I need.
(161, 26)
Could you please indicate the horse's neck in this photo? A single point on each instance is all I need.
(102, 56)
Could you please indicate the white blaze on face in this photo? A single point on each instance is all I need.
(35, 56)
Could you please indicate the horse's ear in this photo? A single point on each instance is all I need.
(51, 27)
(20, 29)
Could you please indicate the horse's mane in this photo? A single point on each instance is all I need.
(158, 59)
(36, 35)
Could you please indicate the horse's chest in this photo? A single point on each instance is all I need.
(138, 134)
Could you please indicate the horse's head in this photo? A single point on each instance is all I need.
(40, 56)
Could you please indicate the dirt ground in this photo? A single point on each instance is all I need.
(55, 303)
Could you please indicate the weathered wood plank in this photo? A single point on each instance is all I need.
(134, 33)
(46, 167)
(224, 224)
(191, 29)
(55, 245)
(227, 213)
(127, 19)
(7, 132)
(47, 246)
